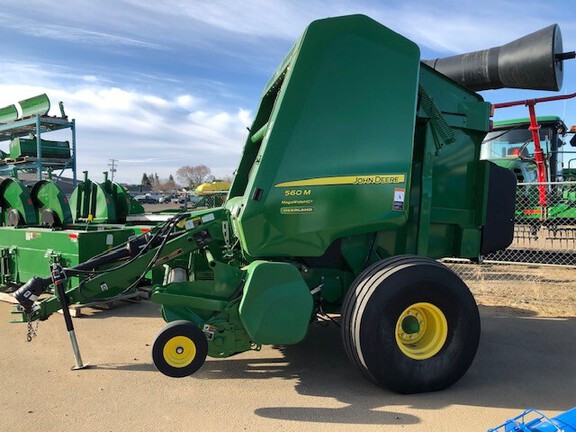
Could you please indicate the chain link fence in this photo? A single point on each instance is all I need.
(545, 225)
(537, 272)
(212, 200)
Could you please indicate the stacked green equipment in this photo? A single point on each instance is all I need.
(362, 167)
(20, 147)
(39, 228)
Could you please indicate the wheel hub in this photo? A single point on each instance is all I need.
(411, 325)
(421, 331)
(179, 351)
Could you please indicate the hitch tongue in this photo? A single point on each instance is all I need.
(28, 293)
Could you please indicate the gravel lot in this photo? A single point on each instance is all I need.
(523, 361)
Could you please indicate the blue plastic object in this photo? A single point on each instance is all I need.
(532, 420)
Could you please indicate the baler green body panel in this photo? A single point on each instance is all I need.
(336, 151)
(449, 182)
(275, 312)
(333, 143)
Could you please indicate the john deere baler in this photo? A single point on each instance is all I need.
(362, 167)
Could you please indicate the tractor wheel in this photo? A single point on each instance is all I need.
(179, 349)
(410, 324)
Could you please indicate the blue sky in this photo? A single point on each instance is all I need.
(158, 84)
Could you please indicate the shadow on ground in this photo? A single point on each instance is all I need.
(124, 309)
(522, 362)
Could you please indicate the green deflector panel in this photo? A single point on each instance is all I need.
(16, 205)
(51, 204)
(124, 203)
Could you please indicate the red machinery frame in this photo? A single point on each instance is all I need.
(534, 128)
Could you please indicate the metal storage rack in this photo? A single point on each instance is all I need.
(32, 120)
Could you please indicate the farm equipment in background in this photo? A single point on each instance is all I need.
(362, 167)
(211, 194)
(532, 420)
(105, 202)
(533, 149)
(24, 125)
(510, 144)
(40, 226)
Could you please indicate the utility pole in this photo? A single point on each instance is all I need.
(112, 166)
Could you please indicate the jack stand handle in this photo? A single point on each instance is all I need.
(70, 326)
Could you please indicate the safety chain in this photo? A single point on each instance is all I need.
(32, 330)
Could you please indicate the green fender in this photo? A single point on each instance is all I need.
(277, 305)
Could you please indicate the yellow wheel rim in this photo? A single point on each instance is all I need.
(421, 331)
(179, 351)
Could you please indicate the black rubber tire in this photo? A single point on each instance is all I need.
(188, 330)
(373, 306)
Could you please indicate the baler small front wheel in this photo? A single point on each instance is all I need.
(410, 324)
(179, 349)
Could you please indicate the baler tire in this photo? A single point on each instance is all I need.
(352, 298)
(379, 321)
(179, 349)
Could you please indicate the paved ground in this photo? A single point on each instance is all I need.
(523, 361)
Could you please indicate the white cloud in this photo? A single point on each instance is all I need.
(90, 78)
(245, 116)
(442, 25)
(127, 125)
(71, 33)
(187, 101)
(168, 117)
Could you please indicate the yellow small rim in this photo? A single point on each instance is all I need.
(421, 331)
(179, 351)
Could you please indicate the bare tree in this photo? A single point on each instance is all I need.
(194, 176)
(168, 185)
(228, 178)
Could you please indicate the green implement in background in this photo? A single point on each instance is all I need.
(20, 147)
(37, 105)
(8, 114)
(17, 208)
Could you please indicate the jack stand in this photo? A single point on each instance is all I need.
(70, 327)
